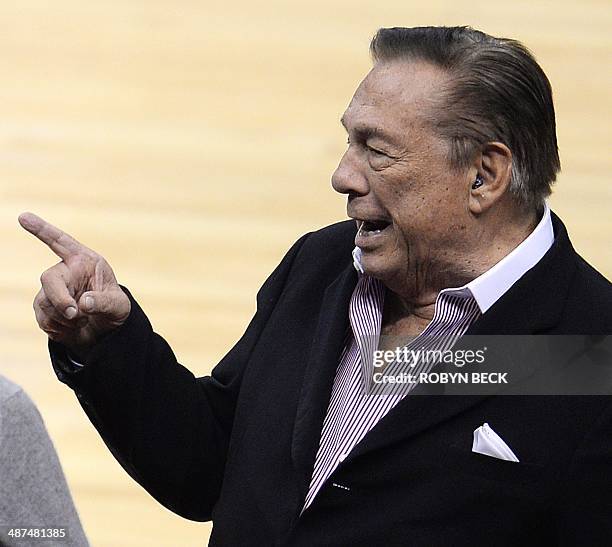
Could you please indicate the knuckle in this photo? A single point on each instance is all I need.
(42, 304)
(50, 275)
(36, 303)
(38, 313)
(44, 277)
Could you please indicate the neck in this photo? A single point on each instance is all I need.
(490, 242)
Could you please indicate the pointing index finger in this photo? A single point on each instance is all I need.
(58, 241)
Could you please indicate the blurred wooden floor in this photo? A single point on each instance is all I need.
(192, 142)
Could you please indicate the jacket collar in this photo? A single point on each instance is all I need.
(533, 305)
(490, 286)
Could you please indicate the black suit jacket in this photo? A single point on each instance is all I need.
(238, 447)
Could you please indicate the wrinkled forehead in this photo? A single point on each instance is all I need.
(396, 92)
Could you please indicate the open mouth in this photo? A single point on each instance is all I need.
(372, 227)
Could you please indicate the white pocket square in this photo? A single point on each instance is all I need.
(489, 443)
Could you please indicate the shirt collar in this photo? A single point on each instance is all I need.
(489, 287)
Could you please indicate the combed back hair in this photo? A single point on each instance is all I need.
(496, 92)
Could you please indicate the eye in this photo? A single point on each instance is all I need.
(375, 151)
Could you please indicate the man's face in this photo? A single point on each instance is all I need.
(399, 181)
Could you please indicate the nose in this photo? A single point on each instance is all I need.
(348, 178)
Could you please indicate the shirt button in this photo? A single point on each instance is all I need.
(342, 457)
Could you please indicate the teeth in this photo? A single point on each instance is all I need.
(364, 232)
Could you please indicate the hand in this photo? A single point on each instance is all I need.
(80, 300)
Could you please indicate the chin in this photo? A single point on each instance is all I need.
(379, 266)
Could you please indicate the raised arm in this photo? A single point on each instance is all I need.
(169, 430)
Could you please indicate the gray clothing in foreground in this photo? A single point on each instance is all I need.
(33, 490)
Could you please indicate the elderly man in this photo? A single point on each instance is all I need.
(451, 154)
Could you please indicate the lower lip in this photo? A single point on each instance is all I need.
(371, 239)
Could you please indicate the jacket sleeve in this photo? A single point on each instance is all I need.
(168, 429)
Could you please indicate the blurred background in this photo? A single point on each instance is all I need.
(191, 143)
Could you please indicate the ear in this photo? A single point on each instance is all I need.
(493, 164)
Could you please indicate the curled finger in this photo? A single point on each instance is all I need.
(54, 282)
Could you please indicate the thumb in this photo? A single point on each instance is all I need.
(114, 304)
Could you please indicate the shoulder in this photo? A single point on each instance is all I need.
(328, 250)
(582, 295)
(312, 262)
(316, 260)
(16, 407)
(335, 239)
(328, 247)
(8, 390)
(590, 298)
(591, 282)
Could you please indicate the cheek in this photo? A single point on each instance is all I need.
(423, 221)
(420, 200)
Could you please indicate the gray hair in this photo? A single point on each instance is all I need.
(497, 92)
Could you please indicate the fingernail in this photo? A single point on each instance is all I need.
(89, 303)
(70, 312)
(24, 220)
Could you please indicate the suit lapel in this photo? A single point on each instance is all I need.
(327, 344)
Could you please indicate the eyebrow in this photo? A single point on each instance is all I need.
(367, 131)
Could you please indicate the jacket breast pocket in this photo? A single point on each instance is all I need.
(464, 461)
